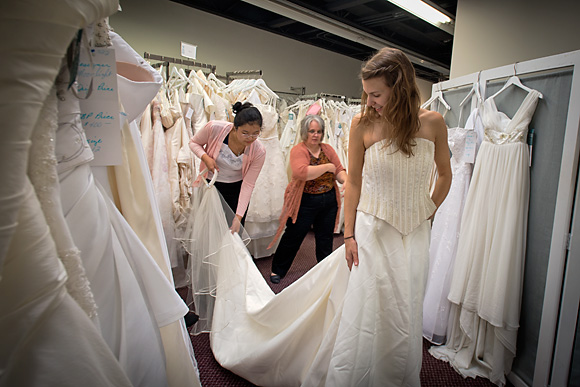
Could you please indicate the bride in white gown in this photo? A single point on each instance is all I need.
(333, 326)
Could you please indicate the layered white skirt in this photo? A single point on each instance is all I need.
(331, 327)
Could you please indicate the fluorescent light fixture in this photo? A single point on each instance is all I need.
(306, 16)
(426, 12)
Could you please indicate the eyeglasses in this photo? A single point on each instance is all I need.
(248, 135)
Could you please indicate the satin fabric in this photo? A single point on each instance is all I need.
(47, 339)
(332, 327)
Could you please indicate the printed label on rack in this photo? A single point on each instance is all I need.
(100, 110)
(470, 142)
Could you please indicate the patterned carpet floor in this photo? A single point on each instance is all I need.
(434, 373)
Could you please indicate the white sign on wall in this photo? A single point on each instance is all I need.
(188, 50)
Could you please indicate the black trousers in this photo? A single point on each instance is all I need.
(317, 211)
(231, 194)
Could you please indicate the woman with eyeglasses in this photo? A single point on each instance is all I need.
(311, 199)
(232, 150)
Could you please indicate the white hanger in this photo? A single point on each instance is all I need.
(515, 81)
(474, 90)
(437, 95)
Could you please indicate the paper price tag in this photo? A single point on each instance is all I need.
(189, 113)
(470, 143)
(100, 111)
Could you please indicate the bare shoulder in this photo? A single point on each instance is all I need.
(432, 125)
(429, 117)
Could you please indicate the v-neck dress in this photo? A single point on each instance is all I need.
(488, 274)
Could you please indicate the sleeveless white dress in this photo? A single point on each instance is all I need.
(445, 233)
(335, 327)
(488, 274)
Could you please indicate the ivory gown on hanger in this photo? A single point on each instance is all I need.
(334, 327)
(37, 314)
(487, 279)
(445, 232)
(134, 298)
(262, 218)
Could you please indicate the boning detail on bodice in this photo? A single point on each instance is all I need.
(396, 187)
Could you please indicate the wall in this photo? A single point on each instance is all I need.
(494, 33)
(158, 27)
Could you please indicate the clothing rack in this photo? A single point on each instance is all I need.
(243, 74)
(293, 91)
(166, 60)
(322, 95)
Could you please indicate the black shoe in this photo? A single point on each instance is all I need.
(275, 278)
(190, 319)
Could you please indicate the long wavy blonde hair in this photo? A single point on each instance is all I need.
(401, 111)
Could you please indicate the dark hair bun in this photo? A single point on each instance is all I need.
(238, 106)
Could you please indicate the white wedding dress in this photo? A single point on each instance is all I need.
(487, 279)
(445, 231)
(332, 327)
(47, 339)
(135, 299)
(263, 216)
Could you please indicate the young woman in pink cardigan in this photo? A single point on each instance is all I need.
(232, 150)
(311, 198)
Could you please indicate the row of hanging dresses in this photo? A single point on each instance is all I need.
(463, 144)
(487, 279)
(183, 105)
(51, 337)
(138, 83)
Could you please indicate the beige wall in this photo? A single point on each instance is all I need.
(158, 27)
(494, 33)
(424, 89)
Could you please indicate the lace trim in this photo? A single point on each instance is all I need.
(43, 175)
(101, 36)
(499, 138)
(78, 284)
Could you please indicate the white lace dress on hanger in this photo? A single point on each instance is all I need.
(445, 233)
(488, 273)
(263, 216)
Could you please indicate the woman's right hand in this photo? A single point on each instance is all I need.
(351, 248)
(210, 163)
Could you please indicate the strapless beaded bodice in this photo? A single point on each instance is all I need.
(395, 187)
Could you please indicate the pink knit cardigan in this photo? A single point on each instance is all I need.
(299, 162)
(209, 141)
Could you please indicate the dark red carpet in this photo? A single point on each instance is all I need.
(435, 373)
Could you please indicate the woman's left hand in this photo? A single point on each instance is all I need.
(236, 224)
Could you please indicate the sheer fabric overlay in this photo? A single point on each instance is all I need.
(205, 238)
